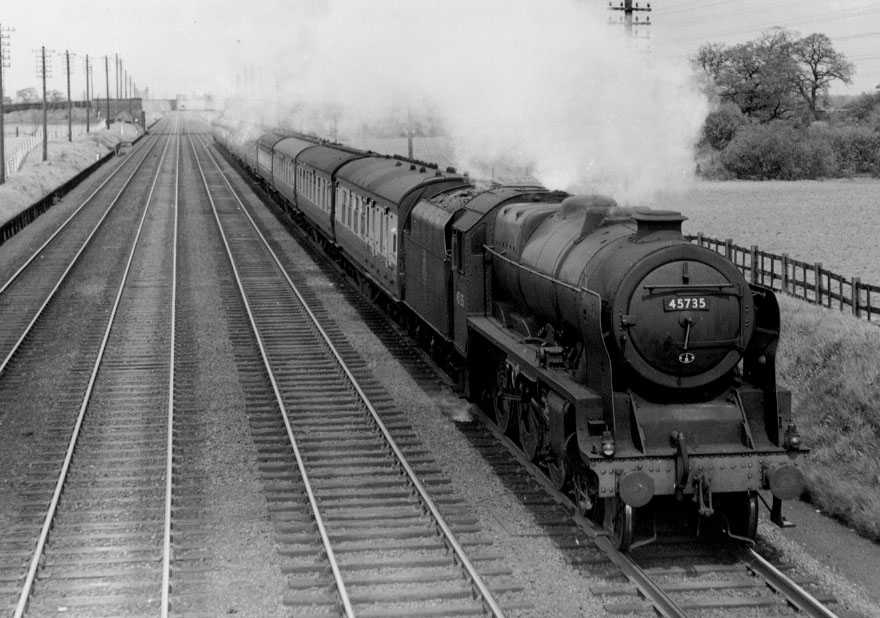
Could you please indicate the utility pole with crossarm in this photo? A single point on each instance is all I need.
(4, 63)
(629, 8)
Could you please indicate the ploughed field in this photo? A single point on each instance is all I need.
(835, 222)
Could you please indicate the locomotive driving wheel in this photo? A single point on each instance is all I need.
(531, 429)
(503, 403)
(558, 471)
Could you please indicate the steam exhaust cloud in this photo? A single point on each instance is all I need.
(546, 85)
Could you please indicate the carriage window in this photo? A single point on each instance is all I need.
(374, 226)
(344, 200)
(392, 224)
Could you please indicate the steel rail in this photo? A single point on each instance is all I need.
(24, 596)
(798, 597)
(73, 260)
(654, 594)
(169, 448)
(661, 601)
(313, 501)
(452, 542)
(62, 226)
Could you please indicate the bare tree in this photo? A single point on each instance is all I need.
(757, 76)
(820, 64)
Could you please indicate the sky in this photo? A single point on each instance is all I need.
(196, 47)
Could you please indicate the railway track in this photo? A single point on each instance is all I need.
(362, 526)
(27, 292)
(102, 548)
(670, 579)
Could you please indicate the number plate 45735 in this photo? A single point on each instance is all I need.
(686, 303)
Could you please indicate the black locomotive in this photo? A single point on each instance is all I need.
(630, 363)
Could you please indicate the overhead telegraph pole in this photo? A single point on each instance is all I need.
(69, 102)
(42, 73)
(107, 79)
(88, 100)
(631, 11)
(4, 63)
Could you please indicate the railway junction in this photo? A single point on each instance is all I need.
(200, 416)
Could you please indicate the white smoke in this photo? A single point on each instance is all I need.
(548, 85)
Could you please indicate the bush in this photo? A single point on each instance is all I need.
(781, 151)
(763, 151)
(856, 148)
(721, 125)
(864, 108)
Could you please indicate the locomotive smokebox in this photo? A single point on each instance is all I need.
(681, 314)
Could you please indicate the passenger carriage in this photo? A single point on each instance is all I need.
(374, 195)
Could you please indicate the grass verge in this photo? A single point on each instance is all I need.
(831, 362)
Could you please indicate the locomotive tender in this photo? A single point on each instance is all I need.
(632, 365)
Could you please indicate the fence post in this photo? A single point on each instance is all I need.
(728, 249)
(817, 277)
(700, 239)
(785, 272)
(754, 261)
(856, 284)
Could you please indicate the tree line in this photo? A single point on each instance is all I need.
(773, 117)
(31, 95)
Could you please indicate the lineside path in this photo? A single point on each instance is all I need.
(352, 515)
(89, 517)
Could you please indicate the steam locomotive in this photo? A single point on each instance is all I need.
(635, 367)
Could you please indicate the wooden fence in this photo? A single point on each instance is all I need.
(809, 282)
